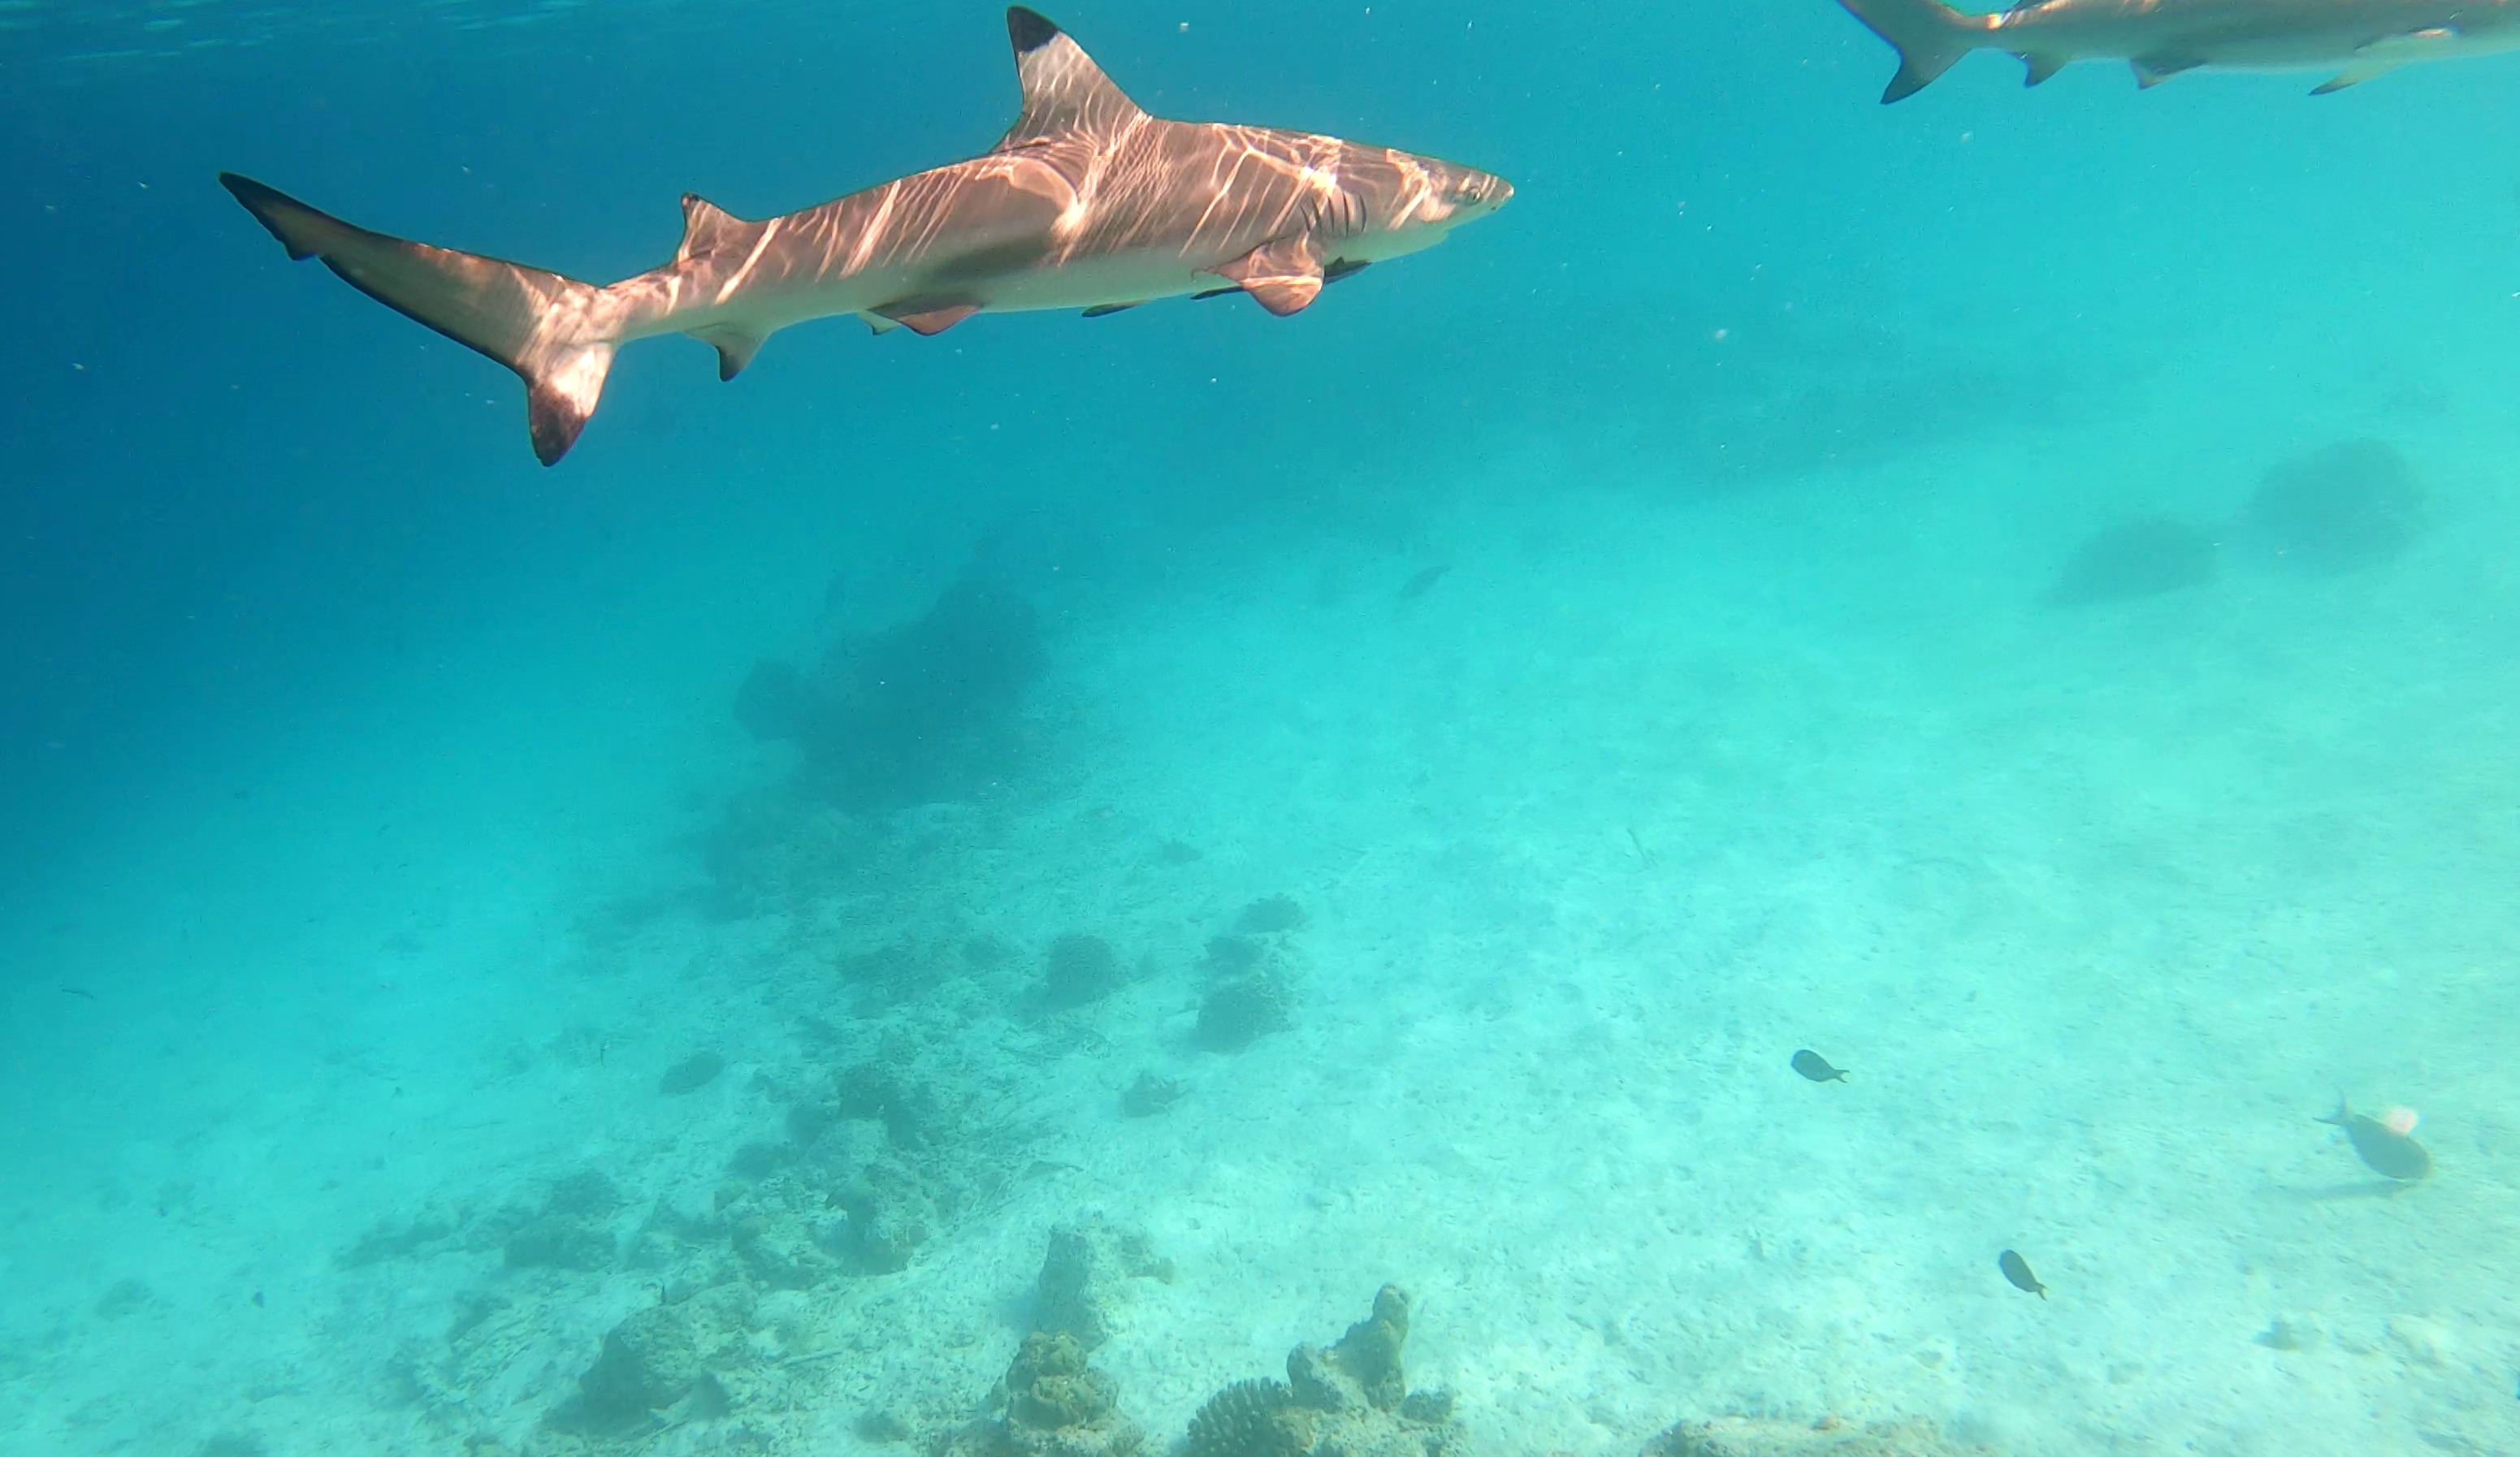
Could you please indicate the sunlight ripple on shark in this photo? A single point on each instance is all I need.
(2160, 38)
(1088, 202)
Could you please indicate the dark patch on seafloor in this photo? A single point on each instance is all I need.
(925, 712)
(2138, 559)
(2350, 506)
(691, 1075)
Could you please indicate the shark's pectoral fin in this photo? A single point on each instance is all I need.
(2153, 70)
(1107, 310)
(1286, 276)
(2041, 68)
(734, 347)
(1216, 292)
(1344, 268)
(926, 319)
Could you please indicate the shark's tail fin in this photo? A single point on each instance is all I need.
(1929, 35)
(555, 333)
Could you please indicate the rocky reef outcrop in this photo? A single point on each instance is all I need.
(1056, 1405)
(667, 1357)
(1351, 1399)
(1085, 1278)
(920, 712)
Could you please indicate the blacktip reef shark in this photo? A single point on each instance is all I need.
(1088, 202)
(2160, 38)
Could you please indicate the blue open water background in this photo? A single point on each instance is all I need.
(1752, 442)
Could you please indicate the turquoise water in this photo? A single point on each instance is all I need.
(2012, 592)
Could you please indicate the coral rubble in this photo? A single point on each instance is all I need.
(1350, 1401)
(1758, 1437)
(1236, 1014)
(1151, 1094)
(664, 1355)
(1080, 969)
(1255, 1418)
(1055, 1406)
(1085, 1275)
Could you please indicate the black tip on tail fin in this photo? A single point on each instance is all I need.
(1029, 29)
(554, 332)
(554, 421)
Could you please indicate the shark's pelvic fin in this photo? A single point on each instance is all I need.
(1107, 310)
(1063, 90)
(554, 332)
(928, 319)
(2041, 68)
(2153, 70)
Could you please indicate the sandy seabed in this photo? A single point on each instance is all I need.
(1649, 788)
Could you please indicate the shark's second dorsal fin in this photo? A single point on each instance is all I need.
(706, 228)
(1063, 90)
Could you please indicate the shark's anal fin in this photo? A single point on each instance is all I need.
(734, 347)
(1063, 90)
(2041, 68)
(1285, 276)
(926, 319)
(1107, 310)
(2153, 70)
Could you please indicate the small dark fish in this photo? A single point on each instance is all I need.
(258, 1300)
(2017, 1270)
(2387, 1151)
(1417, 585)
(1816, 1067)
(78, 991)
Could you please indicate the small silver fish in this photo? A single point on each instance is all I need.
(2387, 1151)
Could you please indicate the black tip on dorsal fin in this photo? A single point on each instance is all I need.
(1029, 29)
(1065, 93)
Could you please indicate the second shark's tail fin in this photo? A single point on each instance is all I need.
(1929, 35)
(555, 333)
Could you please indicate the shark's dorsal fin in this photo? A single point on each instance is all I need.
(1063, 91)
(706, 228)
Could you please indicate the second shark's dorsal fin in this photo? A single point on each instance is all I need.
(706, 228)
(1063, 90)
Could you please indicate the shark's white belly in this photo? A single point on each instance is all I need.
(1091, 282)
